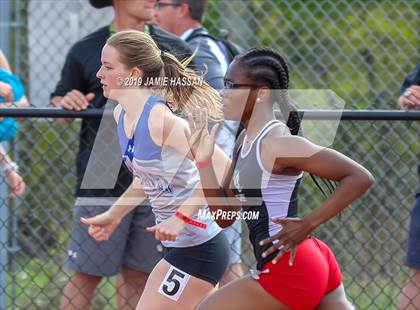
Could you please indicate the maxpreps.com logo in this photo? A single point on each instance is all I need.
(206, 214)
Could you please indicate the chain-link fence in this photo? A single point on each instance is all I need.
(362, 50)
(368, 239)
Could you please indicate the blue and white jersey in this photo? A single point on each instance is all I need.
(168, 177)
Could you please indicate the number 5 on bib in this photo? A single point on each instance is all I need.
(174, 283)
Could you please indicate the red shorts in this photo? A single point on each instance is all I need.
(315, 273)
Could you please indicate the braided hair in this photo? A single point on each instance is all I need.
(267, 66)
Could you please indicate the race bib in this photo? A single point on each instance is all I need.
(174, 283)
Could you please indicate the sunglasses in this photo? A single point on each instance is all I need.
(231, 85)
(160, 5)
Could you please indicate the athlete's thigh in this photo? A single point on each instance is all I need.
(335, 300)
(244, 293)
(169, 288)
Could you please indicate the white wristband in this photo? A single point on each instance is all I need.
(10, 166)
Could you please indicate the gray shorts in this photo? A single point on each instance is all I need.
(130, 245)
(234, 234)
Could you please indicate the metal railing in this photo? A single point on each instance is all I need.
(368, 238)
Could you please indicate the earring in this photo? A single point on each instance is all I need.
(258, 99)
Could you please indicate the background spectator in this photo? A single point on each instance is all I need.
(410, 295)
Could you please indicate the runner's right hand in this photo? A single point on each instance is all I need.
(75, 100)
(200, 141)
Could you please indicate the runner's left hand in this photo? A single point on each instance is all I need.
(294, 231)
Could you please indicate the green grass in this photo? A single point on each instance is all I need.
(39, 285)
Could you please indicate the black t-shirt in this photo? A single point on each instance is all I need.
(79, 72)
(413, 79)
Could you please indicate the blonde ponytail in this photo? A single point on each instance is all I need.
(194, 91)
(183, 88)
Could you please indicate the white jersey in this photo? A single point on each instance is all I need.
(271, 195)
